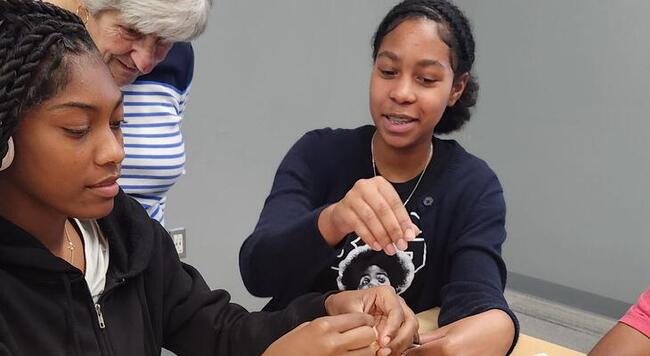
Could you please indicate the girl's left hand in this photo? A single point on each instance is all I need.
(395, 322)
(485, 334)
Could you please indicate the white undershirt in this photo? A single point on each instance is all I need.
(96, 252)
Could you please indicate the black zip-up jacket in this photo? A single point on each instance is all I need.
(151, 299)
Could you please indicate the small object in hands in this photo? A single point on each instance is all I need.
(416, 341)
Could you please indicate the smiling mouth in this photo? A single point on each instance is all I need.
(128, 68)
(399, 119)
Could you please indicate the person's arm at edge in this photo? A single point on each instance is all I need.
(478, 272)
(286, 251)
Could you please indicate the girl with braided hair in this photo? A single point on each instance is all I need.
(84, 270)
(396, 188)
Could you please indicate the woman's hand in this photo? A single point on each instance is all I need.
(394, 321)
(373, 210)
(347, 334)
(486, 334)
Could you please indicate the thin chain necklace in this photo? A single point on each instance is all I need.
(374, 166)
(71, 246)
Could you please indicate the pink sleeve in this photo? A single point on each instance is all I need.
(638, 316)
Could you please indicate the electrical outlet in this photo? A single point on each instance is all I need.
(178, 236)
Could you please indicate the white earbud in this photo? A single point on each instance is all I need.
(9, 156)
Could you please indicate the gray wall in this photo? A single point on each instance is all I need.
(266, 72)
(562, 119)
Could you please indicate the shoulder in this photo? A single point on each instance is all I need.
(176, 70)
(338, 139)
(131, 233)
(638, 317)
(462, 164)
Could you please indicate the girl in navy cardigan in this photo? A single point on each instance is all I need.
(391, 204)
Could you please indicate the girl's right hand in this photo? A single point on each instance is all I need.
(346, 334)
(373, 210)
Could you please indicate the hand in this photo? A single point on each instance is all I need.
(373, 210)
(347, 334)
(488, 333)
(395, 322)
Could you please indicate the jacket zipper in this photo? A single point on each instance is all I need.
(100, 316)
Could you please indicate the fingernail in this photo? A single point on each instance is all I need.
(390, 249)
(385, 352)
(402, 245)
(376, 246)
(409, 234)
(385, 340)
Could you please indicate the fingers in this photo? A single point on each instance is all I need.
(438, 347)
(366, 351)
(409, 230)
(387, 208)
(380, 218)
(344, 322)
(391, 310)
(353, 334)
(358, 338)
(368, 217)
(433, 335)
(404, 337)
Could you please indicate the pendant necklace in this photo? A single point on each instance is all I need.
(70, 246)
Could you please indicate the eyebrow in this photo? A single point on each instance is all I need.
(83, 106)
(421, 63)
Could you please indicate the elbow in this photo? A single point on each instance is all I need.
(254, 270)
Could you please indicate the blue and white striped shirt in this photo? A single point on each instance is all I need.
(153, 142)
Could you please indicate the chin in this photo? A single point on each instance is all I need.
(396, 141)
(122, 79)
(95, 211)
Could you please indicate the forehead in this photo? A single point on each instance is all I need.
(89, 80)
(417, 39)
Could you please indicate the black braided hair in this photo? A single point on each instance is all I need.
(35, 40)
(456, 32)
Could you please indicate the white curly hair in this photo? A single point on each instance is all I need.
(173, 20)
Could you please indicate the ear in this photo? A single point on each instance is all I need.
(457, 89)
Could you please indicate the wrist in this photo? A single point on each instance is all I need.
(327, 228)
(329, 304)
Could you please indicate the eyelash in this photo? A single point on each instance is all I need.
(427, 81)
(422, 80)
(116, 125)
(79, 133)
(130, 33)
(387, 73)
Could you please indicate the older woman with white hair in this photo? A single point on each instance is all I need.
(145, 45)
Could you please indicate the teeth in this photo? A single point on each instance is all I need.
(399, 120)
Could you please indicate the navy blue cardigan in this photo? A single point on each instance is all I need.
(455, 264)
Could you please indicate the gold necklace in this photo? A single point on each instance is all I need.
(71, 246)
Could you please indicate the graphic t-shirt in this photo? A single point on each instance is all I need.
(357, 266)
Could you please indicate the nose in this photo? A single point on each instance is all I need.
(144, 54)
(403, 91)
(110, 149)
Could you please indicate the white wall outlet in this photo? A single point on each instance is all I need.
(178, 236)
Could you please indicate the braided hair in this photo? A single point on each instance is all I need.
(36, 39)
(456, 32)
